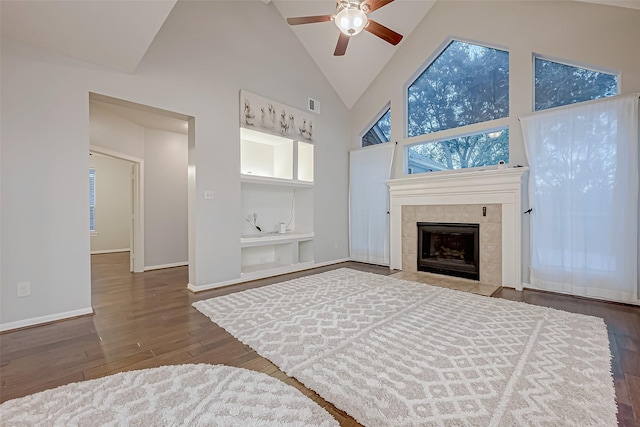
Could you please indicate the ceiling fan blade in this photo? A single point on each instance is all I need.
(308, 19)
(341, 47)
(386, 34)
(376, 4)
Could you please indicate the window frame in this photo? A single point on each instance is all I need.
(430, 59)
(457, 132)
(495, 128)
(372, 123)
(575, 64)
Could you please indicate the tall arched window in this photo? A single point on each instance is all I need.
(465, 85)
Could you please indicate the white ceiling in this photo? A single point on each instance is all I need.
(117, 33)
(112, 33)
(631, 4)
(351, 74)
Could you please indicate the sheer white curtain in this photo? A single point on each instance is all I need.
(583, 188)
(369, 203)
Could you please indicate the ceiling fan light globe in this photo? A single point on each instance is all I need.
(351, 21)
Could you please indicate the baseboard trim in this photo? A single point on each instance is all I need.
(34, 321)
(532, 287)
(521, 288)
(199, 288)
(324, 264)
(110, 251)
(161, 266)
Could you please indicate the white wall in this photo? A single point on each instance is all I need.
(589, 34)
(114, 132)
(190, 69)
(165, 195)
(113, 204)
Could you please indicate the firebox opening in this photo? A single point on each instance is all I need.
(449, 248)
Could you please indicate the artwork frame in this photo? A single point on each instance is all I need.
(265, 115)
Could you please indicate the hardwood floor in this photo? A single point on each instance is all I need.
(146, 320)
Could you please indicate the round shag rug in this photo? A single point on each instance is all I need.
(188, 395)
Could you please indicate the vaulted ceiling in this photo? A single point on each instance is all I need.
(366, 55)
(117, 34)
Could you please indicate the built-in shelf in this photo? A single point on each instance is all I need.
(271, 156)
(304, 171)
(277, 189)
(272, 238)
(275, 181)
(263, 154)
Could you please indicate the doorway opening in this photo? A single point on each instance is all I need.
(117, 219)
(154, 143)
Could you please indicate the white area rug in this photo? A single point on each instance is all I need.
(395, 353)
(183, 395)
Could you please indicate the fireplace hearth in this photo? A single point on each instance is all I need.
(449, 248)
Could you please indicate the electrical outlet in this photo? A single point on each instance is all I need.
(208, 195)
(24, 289)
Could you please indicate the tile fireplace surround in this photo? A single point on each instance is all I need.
(458, 197)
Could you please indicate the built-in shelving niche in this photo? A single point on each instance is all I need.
(277, 186)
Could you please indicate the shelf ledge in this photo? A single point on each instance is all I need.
(273, 238)
(256, 179)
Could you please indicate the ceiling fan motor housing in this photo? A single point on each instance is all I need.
(353, 4)
(351, 18)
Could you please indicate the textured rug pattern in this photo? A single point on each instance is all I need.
(393, 352)
(183, 395)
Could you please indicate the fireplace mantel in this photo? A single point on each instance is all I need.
(468, 187)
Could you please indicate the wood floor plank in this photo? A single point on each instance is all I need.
(119, 365)
(36, 385)
(146, 320)
(625, 416)
(633, 387)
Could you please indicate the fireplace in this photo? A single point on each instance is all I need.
(449, 248)
(459, 198)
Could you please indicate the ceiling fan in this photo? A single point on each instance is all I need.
(351, 18)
